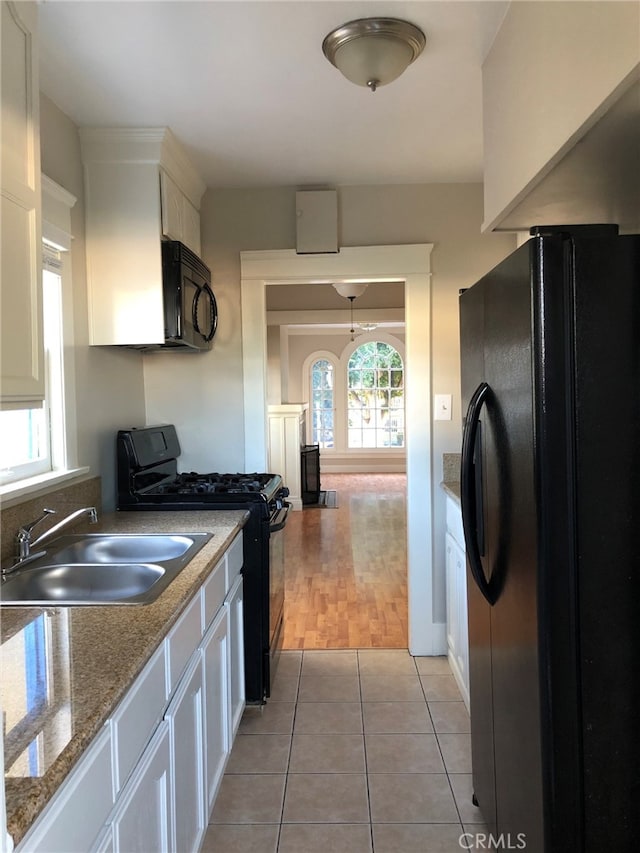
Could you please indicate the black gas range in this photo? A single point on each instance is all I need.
(148, 479)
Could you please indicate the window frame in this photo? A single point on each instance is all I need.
(375, 339)
(307, 387)
(56, 233)
(340, 366)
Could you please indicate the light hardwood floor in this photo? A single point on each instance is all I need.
(346, 568)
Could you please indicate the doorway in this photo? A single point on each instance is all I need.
(346, 567)
(411, 264)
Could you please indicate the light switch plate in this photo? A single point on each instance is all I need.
(442, 407)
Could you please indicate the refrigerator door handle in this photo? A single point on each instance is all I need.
(469, 491)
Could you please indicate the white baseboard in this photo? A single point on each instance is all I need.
(464, 690)
(363, 467)
(428, 640)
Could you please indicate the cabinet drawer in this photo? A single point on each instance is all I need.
(235, 561)
(74, 818)
(136, 717)
(213, 592)
(454, 521)
(182, 641)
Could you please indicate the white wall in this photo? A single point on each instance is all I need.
(109, 381)
(546, 79)
(204, 395)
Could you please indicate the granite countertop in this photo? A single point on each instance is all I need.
(452, 489)
(451, 475)
(93, 655)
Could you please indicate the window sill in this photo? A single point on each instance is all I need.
(11, 493)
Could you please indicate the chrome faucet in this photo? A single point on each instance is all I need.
(25, 544)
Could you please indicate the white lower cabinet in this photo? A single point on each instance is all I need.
(215, 658)
(185, 716)
(87, 793)
(104, 844)
(149, 780)
(234, 602)
(456, 585)
(143, 819)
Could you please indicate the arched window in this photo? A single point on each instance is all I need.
(375, 397)
(322, 403)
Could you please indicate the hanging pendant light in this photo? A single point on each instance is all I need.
(350, 290)
(373, 51)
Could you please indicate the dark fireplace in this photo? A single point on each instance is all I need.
(310, 471)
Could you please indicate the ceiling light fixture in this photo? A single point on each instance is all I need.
(367, 327)
(350, 290)
(373, 51)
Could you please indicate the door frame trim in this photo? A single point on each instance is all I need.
(410, 264)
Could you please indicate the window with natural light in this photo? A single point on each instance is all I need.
(375, 397)
(33, 438)
(322, 403)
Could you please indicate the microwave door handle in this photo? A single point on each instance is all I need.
(194, 310)
(213, 312)
(179, 317)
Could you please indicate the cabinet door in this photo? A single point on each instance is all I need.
(21, 342)
(462, 643)
(190, 226)
(234, 602)
(104, 842)
(143, 818)
(185, 718)
(457, 627)
(452, 609)
(215, 650)
(172, 208)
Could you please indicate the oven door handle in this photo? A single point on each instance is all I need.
(279, 518)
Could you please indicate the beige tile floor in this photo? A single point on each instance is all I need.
(356, 751)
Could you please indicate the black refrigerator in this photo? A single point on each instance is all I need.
(550, 344)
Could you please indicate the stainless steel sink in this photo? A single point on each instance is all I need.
(81, 583)
(101, 569)
(125, 548)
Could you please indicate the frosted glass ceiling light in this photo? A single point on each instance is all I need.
(373, 51)
(350, 290)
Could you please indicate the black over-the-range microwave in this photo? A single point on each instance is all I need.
(190, 309)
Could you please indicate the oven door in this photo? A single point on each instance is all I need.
(277, 522)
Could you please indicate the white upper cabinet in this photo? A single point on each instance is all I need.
(21, 353)
(139, 187)
(190, 225)
(180, 219)
(550, 81)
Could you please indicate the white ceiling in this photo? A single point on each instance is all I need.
(245, 87)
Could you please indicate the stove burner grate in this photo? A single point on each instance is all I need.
(191, 482)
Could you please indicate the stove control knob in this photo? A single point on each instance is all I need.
(284, 492)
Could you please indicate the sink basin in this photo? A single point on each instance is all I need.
(81, 583)
(101, 569)
(125, 548)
